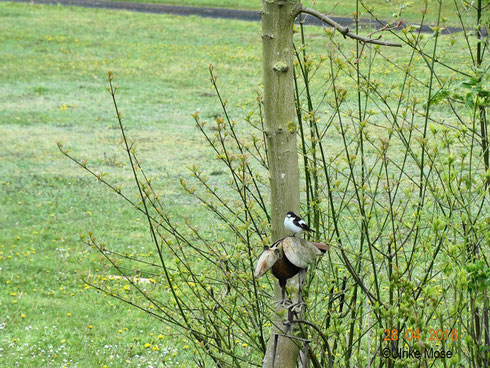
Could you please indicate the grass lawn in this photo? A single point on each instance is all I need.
(410, 11)
(47, 315)
(53, 67)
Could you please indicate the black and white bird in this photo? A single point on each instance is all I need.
(294, 223)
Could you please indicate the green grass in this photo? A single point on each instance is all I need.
(410, 11)
(47, 202)
(47, 315)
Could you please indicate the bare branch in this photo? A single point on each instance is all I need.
(344, 30)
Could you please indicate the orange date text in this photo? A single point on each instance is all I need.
(415, 334)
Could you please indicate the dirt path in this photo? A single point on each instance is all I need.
(246, 15)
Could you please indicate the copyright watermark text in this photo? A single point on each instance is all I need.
(426, 353)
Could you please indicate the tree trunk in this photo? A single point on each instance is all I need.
(280, 131)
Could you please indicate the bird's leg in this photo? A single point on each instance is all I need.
(301, 284)
(284, 302)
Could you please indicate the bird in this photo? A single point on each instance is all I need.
(286, 258)
(294, 223)
(282, 269)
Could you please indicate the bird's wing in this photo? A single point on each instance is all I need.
(300, 252)
(266, 260)
(302, 224)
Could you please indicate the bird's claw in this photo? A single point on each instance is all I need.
(295, 306)
(285, 303)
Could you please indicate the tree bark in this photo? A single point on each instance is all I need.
(280, 132)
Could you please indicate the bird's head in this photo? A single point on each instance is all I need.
(290, 214)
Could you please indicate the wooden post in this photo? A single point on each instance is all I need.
(280, 131)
